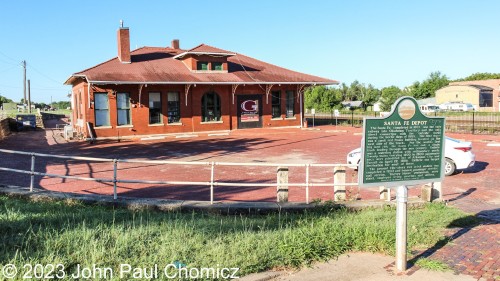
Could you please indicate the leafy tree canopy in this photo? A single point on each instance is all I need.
(480, 76)
(320, 98)
(428, 87)
(61, 104)
(389, 96)
(4, 100)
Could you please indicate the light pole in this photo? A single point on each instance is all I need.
(331, 111)
(351, 108)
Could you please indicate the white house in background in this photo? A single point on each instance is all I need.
(352, 104)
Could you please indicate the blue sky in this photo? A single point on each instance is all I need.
(379, 42)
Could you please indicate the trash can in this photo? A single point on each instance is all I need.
(26, 121)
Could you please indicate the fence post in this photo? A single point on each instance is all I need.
(473, 121)
(282, 188)
(212, 164)
(436, 193)
(426, 192)
(32, 177)
(339, 193)
(115, 173)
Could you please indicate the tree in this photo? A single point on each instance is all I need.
(429, 86)
(480, 76)
(320, 97)
(355, 91)
(4, 100)
(370, 96)
(61, 104)
(389, 96)
(343, 91)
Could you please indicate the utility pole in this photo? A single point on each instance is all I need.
(29, 97)
(24, 80)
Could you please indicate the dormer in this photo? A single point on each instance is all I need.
(205, 59)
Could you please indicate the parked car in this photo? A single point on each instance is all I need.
(457, 106)
(458, 156)
(429, 108)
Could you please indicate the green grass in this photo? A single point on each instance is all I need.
(432, 264)
(71, 234)
(13, 112)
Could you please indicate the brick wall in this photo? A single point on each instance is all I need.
(190, 110)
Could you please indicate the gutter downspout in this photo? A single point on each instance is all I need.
(301, 115)
(88, 92)
(88, 124)
(140, 95)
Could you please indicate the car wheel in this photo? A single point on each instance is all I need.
(449, 167)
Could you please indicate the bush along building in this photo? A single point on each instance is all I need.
(168, 90)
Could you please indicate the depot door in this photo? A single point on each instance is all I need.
(249, 111)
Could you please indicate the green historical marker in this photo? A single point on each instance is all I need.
(404, 148)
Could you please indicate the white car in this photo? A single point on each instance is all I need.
(458, 156)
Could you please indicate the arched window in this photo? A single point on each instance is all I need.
(210, 107)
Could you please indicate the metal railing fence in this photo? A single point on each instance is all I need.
(475, 122)
(211, 183)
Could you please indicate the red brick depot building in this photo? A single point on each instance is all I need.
(168, 90)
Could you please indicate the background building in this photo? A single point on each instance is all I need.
(485, 94)
(480, 96)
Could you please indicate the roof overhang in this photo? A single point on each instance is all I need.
(73, 78)
(209, 83)
(203, 53)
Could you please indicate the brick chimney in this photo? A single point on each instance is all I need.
(123, 44)
(175, 44)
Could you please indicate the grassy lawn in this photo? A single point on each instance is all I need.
(13, 112)
(71, 233)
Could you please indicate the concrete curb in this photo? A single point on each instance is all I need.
(257, 208)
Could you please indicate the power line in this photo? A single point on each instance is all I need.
(7, 69)
(42, 89)
(14, 60)
(39, 72)
(7, 62)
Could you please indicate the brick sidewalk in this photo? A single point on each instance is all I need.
(472, 251)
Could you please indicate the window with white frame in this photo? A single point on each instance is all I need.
(276, 104)
(174, 107)
(202, 65)
(101, 109)
(217, 66)
(290, 113)
(155, 116)
(123, 108)
(210, 107)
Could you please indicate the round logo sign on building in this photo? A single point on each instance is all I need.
(249, 105)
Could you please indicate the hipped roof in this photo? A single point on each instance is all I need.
(157, 65)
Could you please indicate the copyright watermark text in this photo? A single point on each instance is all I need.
(126, 271)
